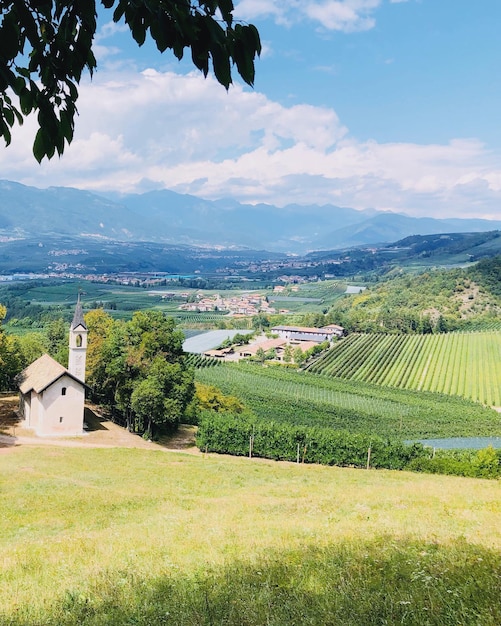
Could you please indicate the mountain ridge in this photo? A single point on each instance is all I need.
(169, 217)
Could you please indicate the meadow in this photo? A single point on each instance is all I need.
(463, 364)
(112, 536)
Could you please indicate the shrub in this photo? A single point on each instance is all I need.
(484, 463)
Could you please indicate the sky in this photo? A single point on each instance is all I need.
(386, 104)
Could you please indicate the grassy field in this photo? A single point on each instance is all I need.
(463, 364)
(98, 537)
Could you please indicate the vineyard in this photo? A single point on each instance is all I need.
(200, 361)
(192, 317)
(300, 398)
(461, 364)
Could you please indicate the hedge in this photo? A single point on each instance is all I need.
(232, 434)
(227, 433)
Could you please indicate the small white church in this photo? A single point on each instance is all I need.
(51, 397)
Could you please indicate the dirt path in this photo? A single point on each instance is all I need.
(100, 433)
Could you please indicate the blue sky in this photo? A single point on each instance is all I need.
(390, 104)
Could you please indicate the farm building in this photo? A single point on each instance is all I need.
(272, 344)
(219, 354)
(300, 333)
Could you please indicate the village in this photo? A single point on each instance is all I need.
(245, 304)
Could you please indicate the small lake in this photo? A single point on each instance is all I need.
(470, 443)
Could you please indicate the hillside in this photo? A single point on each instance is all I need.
(60, 255)
(463, 364)
(114, 536)
(276, 394)
(435, 300)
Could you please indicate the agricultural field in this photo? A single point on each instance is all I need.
(309, 297)
(276, 394)
(35, 298)
(91, 537)
(461, 364)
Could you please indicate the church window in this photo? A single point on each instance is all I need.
(60, 420)
(63, 391)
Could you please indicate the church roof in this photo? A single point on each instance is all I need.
(78, 318)
(41, 374)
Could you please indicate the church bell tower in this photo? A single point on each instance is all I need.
(78, 344)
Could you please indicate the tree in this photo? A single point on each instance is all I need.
(298, 356)
(31, 347)
(260, 321)
(211, 398)
(288, 353)
(271, 354)
(147, 402)
(57, 338)
(100, 325)
(10, 359)
(261, 355)
(46, 45)
(138, 368)
(162, 398)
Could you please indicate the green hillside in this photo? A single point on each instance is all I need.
(436, 300)
(463, 364)
(101, 537)
(275, 394)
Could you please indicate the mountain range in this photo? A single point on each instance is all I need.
(168, 217)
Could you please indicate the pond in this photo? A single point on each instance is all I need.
(470, 443)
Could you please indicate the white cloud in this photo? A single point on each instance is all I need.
(276, 9)
(347, 15)
(188, 134)
(339, 15)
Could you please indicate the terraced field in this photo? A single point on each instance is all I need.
(462, 364)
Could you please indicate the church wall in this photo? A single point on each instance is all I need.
(35, 412)
(63, 414)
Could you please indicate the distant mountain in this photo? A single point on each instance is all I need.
(30, 211)
(293, 228)
(434, 249)
(165, 216)
(384, 228)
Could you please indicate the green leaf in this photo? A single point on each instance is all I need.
(226, 7)
(221, 64)
(39, 146)
(9, 37)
